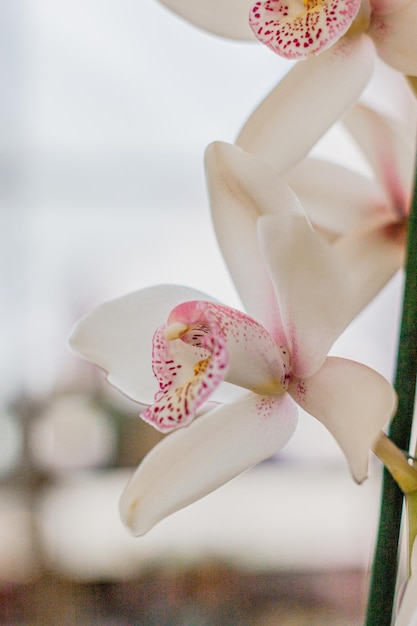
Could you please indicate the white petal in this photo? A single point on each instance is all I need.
(227, 18)
(395, 38)
(353, 402)
(312, 288)
(389, 93)
(407, 615)
(371, 257)
(385, 7)
(242, 188)
(311, 97)
(117, 336)
(334, 197)
(193, 461)
(389, 148)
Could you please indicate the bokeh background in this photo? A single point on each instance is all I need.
(105, 113)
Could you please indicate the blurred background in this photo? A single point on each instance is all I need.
(105, 113)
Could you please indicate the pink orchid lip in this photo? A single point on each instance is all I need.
(295, 34)
(256, 361)
(182, 393)
(224, 345)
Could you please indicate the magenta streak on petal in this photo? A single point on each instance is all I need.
(273, 322)
(176, 405)
(400, 200)
(295, 34)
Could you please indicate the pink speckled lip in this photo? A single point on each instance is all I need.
(296, 34)
(227, 344)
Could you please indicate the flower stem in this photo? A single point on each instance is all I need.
(404, 474)
(384, 573)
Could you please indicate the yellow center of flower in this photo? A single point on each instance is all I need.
(310, 5)
(201, 366)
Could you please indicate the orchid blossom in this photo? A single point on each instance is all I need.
(271, 361)
(296, 30)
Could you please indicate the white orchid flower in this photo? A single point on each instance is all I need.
(300, 290)
(295, 29)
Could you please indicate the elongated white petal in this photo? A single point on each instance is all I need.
(389, 148)
(117, 336)
(313, 292)
(303, 106)
(353, 402)
(390, 94)
(242, 188)
(407, 615)
(193, 461)
(334, 197)
(371, 257)
(395, 37)
(227, 18)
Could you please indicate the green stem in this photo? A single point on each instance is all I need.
(384, 573)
